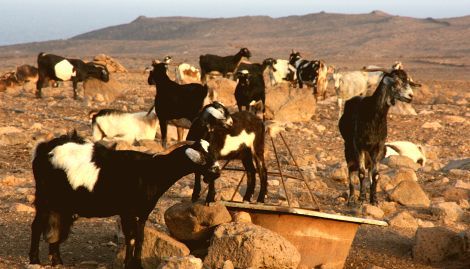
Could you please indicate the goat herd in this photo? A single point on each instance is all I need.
(76, 177)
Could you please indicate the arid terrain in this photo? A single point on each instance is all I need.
(442, 124)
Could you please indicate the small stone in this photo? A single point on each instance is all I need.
(240, 216)
(373, 211)
(448, 211)
(273, 182)
(463, 185)
(431, 125)
(425, 223)
(17, 207)
(404, 220)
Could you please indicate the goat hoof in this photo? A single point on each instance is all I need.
(34, 260)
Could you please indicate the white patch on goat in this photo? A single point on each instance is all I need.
(244, 72)
(233, 143)
(194, 156)
(216, 113)
(75, 160)
(205, 145)
(64, 70)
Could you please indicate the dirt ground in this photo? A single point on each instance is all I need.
(316, 143)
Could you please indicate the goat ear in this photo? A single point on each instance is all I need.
(195, 156)
(216, 113)
(388, 80)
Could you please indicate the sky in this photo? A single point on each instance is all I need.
(25, 21)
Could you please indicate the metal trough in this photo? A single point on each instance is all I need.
(322, 239)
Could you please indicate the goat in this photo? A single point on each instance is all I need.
(311, 72)
(27, 73)
(224, 65)
(259, 68)
(281, 71)
(9, 80)
(115, 124)
(77, 177)
(348, 85)
(408, 149)
(363, 127)
(250, 87)
(174, 101)
(187, 73)
(237, 136)
(58, 68)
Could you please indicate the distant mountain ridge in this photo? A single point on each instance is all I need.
(319, 35)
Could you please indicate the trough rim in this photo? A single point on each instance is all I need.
(302, 212)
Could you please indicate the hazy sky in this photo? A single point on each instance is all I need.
(38, 20)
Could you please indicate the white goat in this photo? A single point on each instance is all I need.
(119, 125)
(408, 149)
(282, 71)
(348, 85)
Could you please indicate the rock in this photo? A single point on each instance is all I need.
(388, 207)
(225, 89)
(189, 262)
(228, 264)
(240, 216)
(103, 91)
(226, 193)
(424, 223)
(156, 247)
(464, 204)
(398, 175)
(373, 211)
(397, 161)
(297, 106)
(454, 119)
(432, 125)
(404, 220)
(447, 211)
(453, 194)
(17, 207)
(339, 172)
(409, 193)
(12, 136)
(111, 64)
(11, 180)
(463, 164)
(250, 246)
(188, 221)
(437, 244)
(462, 184)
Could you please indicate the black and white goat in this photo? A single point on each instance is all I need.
(282, 71)
(186, 73)
(174, 101)
(408, 149)
(237, 136)
(363, 127)
(58, 68)
(76, 177)
(311, 72)
(221, 64)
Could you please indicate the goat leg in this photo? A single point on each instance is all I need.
(351, 198)
(362, 183)
(211, 192)
(373, 186)
(197, 187)
(36, 230)
(54, 254)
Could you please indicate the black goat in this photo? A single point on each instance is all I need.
(363, 127)
(250, 88)
(243, 140)
(174, 101)
(76, 177)
(58, 68)
(224, 65)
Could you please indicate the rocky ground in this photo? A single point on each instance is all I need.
(441, 125)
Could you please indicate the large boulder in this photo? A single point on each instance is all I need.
(436, 244)
(409, 193)
(100, 91)
(250, 246)
(111, 64)
(195, 221)
(157, 246)
(398, 175)
(296, 106)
